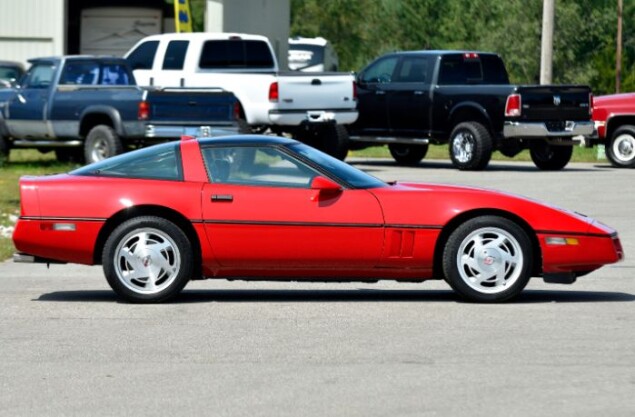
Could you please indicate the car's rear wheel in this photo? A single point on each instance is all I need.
(471, 146)
(333, 140)
(102, 142)
(488, 259)
(550, 158)
(147, 259)
(621, 149)
(408, 155)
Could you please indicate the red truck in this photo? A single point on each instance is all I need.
(614, 118)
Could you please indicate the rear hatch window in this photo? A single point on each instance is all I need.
(236, 53)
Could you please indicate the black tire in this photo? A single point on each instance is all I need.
(166, 253)
(333, 140)
(464, 263)
(72, 155)
(408, 155)
(620, 150)
(550, 158)
(470, 146)
(101, 142)
(5, 150)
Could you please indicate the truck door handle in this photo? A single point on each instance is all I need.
(226, 198)
(380, 92)
(418, 93)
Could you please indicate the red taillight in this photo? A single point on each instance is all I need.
(591, 104)
(273, 92)
(144, 110)
(470, 55)
(354, 91)
(513, 106)
(236, 111)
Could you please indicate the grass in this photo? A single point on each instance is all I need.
(21, 162)
(31, 162)
(580, 154)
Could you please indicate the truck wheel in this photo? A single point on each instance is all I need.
(408, 155)
(102, 142)
(621, 149)
(5, 149)
(550, 158)
(334, 140)
(72, 155)
(470, 146)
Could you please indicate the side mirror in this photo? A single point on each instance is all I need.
(324, 187)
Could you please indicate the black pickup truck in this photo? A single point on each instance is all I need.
(410, 99)
(88, 108)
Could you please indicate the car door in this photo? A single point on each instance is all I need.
(28, 108)
(260, 212)
(372, 85)
(409, 95)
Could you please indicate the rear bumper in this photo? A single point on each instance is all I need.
(297, 117)
(540, 130)
(167, 131)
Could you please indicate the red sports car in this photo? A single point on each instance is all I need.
(261, 207)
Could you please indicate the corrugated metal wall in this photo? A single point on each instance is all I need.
(31, 28)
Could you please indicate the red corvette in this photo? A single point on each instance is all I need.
(258, 207)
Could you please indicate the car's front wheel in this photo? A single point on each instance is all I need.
(147, 259)
(621, 149)
(488, 259)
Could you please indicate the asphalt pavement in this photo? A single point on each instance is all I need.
(69, 347)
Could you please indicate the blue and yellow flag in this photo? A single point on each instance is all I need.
(182, 16)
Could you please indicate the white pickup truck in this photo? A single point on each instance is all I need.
(310, 107)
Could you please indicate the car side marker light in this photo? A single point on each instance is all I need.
(64, 227)
(562, 241)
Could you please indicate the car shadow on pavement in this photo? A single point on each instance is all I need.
(358, 295)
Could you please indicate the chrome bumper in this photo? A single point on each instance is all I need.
(540, 130)
(158, 131)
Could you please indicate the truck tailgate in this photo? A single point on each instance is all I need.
(316, 92)
(555, 103)
(191, 106)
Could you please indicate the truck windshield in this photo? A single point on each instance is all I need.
(352, 176)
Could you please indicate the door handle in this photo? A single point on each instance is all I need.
(222, 198)
(418, 93)
(380, 92)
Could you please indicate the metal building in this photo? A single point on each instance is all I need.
(33, 28)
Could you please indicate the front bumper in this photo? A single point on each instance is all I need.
(168, 132)
(540, 130)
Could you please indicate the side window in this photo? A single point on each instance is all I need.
(257, 166)
(415, 69)
(175, 55)
(143, 56)
(114, 74)
(39, 76)
(235, 54)
(381, 71)
(452, 70)
(80, 73)
(161, 162)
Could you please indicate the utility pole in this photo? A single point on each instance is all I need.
(546, 55)
(618, 52)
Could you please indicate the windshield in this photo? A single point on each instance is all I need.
(352, 176)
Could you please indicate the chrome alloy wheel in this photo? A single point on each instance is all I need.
(624, 147)
(490, 260)
(147, 261)
(100, 150)
(463, 147)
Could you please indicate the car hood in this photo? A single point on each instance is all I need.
(436, 205)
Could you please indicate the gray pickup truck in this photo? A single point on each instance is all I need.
(89, 108)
